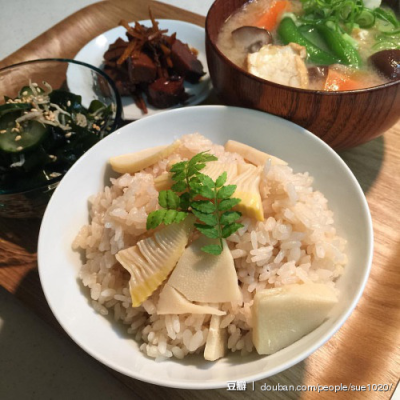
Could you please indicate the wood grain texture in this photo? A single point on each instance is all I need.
(341, 119)
(364, 351)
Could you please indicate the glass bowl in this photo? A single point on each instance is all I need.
(29, 199)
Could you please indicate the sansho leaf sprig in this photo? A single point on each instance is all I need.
(193, 192)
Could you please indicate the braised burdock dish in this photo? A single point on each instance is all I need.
(152, 64)
(320, 45)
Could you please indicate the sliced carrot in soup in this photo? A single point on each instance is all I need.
(337, 81)
(270, 18)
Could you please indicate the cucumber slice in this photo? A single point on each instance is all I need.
(26, 91)
(10, 107)
(31, 134)
(95, 105)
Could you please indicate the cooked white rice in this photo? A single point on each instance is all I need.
(297, 243)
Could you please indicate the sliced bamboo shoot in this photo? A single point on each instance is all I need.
(163, 182)
(251, 154)
(214, 169)
(173, 302)
(281, 316)
(216, 340)
(204, 277)
(152, 259)
(248, 183)
(135, 162)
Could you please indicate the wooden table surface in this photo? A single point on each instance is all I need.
(364, 351)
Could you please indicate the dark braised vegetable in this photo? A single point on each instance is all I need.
(164, 92)
(387, 62)
(185, 62)
(43, 132)
(251, 38)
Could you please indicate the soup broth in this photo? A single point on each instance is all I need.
(334, 76)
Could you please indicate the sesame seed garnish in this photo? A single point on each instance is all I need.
(34, 84)
(25, 93)
(53, 157)
(14, 130)
(33, 109)
(68, 103)
(68, 135)
(19, 148)
(17, 138)
(3, 131)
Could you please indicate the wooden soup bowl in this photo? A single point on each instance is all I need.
(341, 119)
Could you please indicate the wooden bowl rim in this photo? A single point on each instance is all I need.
(278, 85)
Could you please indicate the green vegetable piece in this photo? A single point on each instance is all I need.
(209, 219)
(228, 230)
(366, 19)
(170, 217)
(214, 249)
(342, 48)
(11, 107)
(29, 135)
(221, 180)
(179, 186)
(204, 191)
(204, 206)
(229, 216)
(168, 199)
(226, 191)
(166, 217)
(178, 167)
(388, 15)
(209, 231)
(209, 201)
(227, 204)
(289, 33)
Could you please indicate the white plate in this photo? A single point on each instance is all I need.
(68, 211)
(193, 35)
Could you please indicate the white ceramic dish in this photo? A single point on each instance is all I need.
(100, 337)
(193, 35)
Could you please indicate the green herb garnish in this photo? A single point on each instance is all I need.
(210, 201)
(345, 15)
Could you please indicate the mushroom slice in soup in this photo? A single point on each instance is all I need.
(251, 38)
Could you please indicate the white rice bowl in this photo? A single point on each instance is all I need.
(98, 315)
